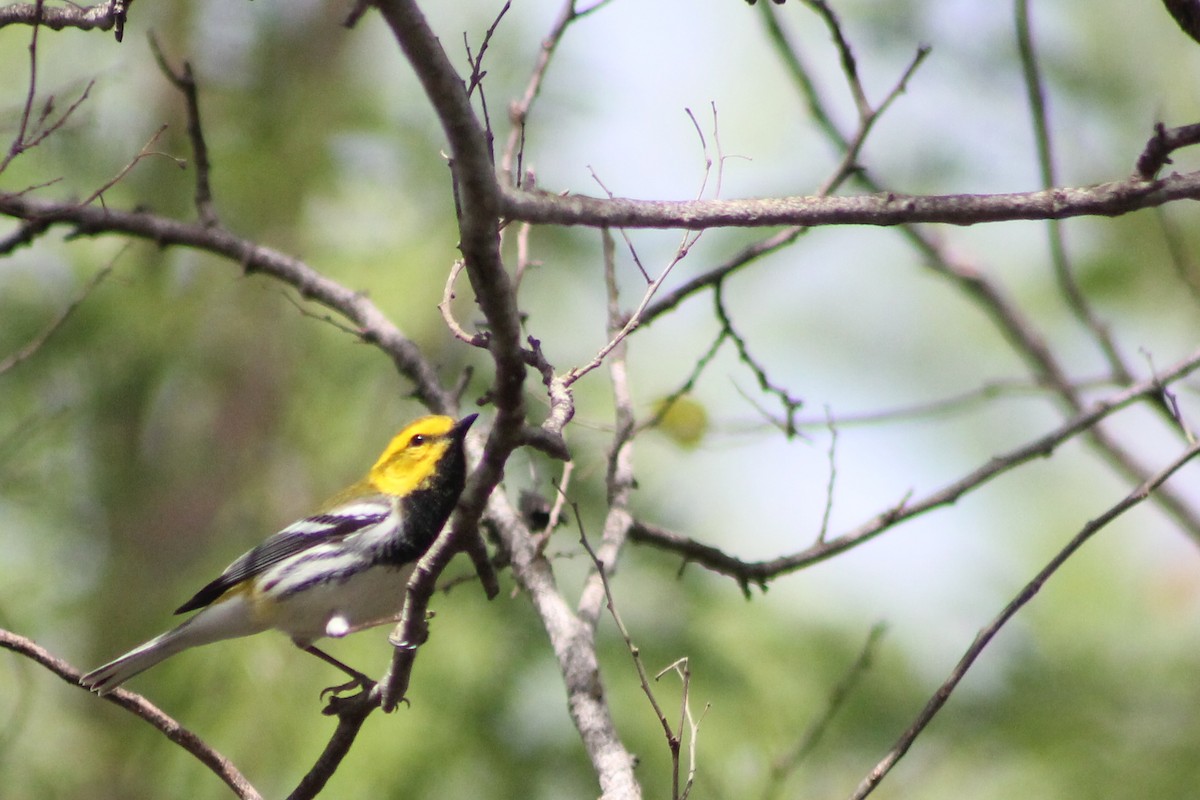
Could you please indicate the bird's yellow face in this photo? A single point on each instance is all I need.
(412, 457)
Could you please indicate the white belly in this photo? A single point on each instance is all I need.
(337, 607)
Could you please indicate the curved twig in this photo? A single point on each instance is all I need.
(134, 703)
(447, 310)
(373, 325)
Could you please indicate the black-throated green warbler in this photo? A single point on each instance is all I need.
(340, 570)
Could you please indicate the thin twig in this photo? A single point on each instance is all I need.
(787, 762)
(633, 253)
(831, 484)
(478, 73)
(1157, 153)
(633, 320)
(689, 384)
(1181, 257)
(682, 668)
(791, 405)
(511, 160)
(849, 62)
(750, 254)
(326, 318)
(31, 91)
(844, 170)
(1027, 593)
(556, 508)
(673, 742)
(36, 344)
(446, 307)
(26, 138)
(575, 373)
(145, 152)
(1064, 274)
(959, 402)
(185, 82)
(524, 262)
(18, 144)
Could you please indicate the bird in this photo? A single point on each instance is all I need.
(342, 569)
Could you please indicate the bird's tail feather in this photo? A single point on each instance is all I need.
(108, 677)
(225, 620)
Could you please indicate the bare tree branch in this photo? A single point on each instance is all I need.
(1157, 153)
(621, 783)
(134, 703)
(32, 132)
(574, 649)
(479, 202)
(185, 82)
(889, 208)
(487, 203)
(372, 324)
(848, 166)
(477, 192)
(446, 307)
(102, 16)
(24, 234)
(706, 280)
(619, 478)
(975, 284)
(512, 160)
(760, 572)
(1182, 260)
(635, 653)
(1063, 271)
(791, 405)
(351, 712)
(985, 636)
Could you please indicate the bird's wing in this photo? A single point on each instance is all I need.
(330, 525)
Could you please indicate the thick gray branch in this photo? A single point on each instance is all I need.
(889, 208)
(479, 205)
(479, 211)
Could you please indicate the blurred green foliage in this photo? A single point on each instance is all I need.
(186, 410)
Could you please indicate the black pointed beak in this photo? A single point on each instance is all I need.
(459, 431)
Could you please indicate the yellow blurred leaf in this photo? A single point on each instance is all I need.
(685, 421)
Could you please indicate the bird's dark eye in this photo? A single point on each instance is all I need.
(417, 440)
